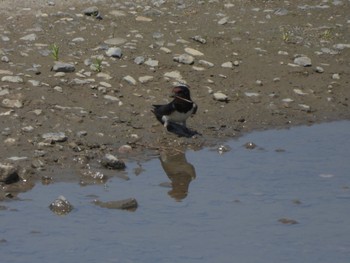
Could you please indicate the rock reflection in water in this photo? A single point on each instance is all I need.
(179, 171)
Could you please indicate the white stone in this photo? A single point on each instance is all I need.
(145, 79)
(227, 64)
(219, 96)
(130, 80)
(30, 37)
(193, 52)
(12, 79)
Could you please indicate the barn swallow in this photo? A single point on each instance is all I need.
(178, 110)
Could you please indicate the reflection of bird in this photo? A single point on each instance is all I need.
(178, 110)
(179, 171)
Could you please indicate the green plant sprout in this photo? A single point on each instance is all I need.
(98, 64)
(55, 51)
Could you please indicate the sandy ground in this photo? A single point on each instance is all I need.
(251, 47)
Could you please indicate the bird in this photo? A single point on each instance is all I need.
(178, 110)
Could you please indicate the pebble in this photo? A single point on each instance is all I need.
(130, 80)
(184, 59)
(227, 64)
(53, 137)
(61, 206)
(206, 63)
(199, 39)
(30, 37)
(114, 52)
(126, 204)
(299, 92)
(219, 96)
(143, 19)
(5, 59)
(303, 61)
(336, 76)
(63, 67)
(145, 79)
(319, 69)
(139, 60)
(223, 20)
(174, 75)
(193, 52)
(91, 11)
(112, 162)
(117, 41)
(151, 62)
(125, 149)
(12, 103)
(12, 79)
(111, 98)
(8, 174)
(166, 50)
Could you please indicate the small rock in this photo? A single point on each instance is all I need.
(130, 80)
(227, 64)
(91, 11)
(184, 59)
(63, 67)
(53, 137)
(78, 39)
(288, 221)
(152, 62)
(281, 12)
(223, 148)
(30, 37)
(193, 52)
(114, 52)
(303, 61)
(125, 149)
(8, 174)
(111, 98)
(143, 19)
(139, 60)
(61, 206)
(206, 63)
(12, 103)
(174, 75)
(319, 69)
(166, 50)
(299, 92)
(111, 162)
(145, 79)
(223, 20)
(336, 76)
(250, 145)
(199, 39)
(117, 41)
(12, 79)
(127, 204)
(219, 96)
(5, 59)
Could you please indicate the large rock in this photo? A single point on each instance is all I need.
(112, 162)
(61, 206)
(8, 174)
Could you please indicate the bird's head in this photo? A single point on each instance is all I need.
(181, 92)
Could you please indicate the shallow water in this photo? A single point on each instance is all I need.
(231, 212)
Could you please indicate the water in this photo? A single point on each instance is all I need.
(231, 212)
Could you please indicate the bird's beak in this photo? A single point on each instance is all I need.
(172, 95)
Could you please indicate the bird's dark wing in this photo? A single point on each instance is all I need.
(161, 110)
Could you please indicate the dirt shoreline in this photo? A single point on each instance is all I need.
(249, 55)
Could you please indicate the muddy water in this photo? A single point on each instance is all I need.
(286, 200)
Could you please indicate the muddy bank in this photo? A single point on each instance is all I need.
(250, 65)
